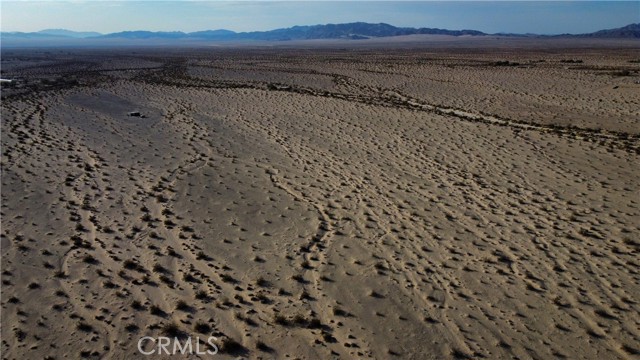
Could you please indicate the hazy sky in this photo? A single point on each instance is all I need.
(542, 17)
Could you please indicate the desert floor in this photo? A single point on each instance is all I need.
(303, 203)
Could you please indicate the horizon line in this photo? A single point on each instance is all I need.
(304, 25)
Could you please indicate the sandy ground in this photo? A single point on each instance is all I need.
(316, 204)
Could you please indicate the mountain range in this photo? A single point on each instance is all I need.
(353, 31)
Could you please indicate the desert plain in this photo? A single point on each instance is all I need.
(438, 200)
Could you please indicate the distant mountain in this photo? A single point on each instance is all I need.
(212, 34)
(349, 31)
(627, 32)
(358, 30)
(145, 35)
(27, 35)
(69, 33)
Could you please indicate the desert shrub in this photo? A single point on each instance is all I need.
(300, 320)
(202, 295)
(182, 306)
(230, 346)
(89, 259)
(339, 312)
(262, 282)
(159, 268)
(82, 326)
(202, 327)
(156, 310)
(227, 278)
(281, 320)
(263, 347)
(171, 329)
(167, 280)
(622, 73)
(137, 305)
(314, 324)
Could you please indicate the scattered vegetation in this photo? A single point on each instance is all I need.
(202, 327)
(89, 259)
(183, 306)
(230, 346)
(262, 282)
(172, 330)
(227, 278)
(82, 326)
(505, 63)
(339, 312)
(280, 320)
(202, 295)
(263, 347)
(622, 73)
(156, 310)
(137, 305)
(571, 61)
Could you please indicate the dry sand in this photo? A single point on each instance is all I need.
(316, 204)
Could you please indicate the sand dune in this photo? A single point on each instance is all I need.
(322, 204)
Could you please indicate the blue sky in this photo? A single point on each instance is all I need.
(542, 17)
